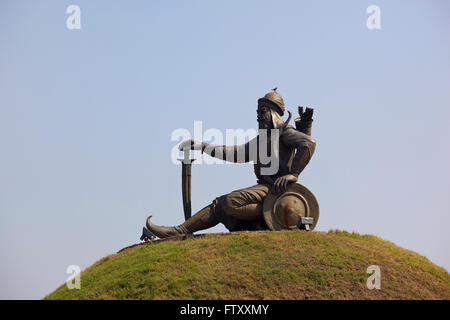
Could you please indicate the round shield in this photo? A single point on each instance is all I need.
(284, 211)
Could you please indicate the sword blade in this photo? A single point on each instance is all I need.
(186, 190)
(186, 186)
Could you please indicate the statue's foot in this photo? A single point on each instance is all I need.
(147, 235)
(163, 232)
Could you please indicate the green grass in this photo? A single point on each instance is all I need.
(262, 265)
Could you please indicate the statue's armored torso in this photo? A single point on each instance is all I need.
(290, 139)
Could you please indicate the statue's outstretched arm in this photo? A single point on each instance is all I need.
(238, 154)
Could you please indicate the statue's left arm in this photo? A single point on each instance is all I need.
(305, 146)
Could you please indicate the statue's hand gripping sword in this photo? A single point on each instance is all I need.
(186, 166)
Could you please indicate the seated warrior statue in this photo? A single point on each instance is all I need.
(243, 209)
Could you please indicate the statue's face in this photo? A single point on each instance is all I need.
(264, 116)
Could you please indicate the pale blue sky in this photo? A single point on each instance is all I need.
(86, 118)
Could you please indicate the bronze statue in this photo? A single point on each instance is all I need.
(276, 201)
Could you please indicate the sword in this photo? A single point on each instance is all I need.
(186, 165)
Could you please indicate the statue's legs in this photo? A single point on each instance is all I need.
(238, 210)
(245, 204)
(242, 209)
(203, 219)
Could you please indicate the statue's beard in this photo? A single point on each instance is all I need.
(265, 124)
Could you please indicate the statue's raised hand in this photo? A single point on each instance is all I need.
(190, 144)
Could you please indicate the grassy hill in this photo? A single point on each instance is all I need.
(262, 265)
